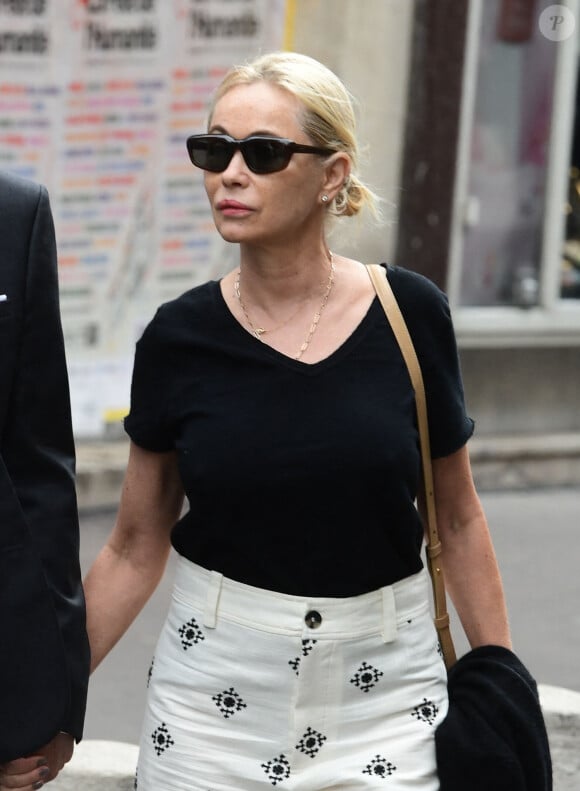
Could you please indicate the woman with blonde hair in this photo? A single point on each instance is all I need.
(299, 651)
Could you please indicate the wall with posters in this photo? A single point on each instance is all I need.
(96, 100)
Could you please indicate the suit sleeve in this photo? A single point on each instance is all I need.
(38, 448)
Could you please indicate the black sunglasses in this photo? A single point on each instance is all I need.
(261, 154)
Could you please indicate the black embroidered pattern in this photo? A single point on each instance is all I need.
(311, 743)
(161, 739)
(426, 711)
(229, 702)
(295, 664)
(150, 672)
(307, 646)
(277, 770)
(366, 677)
(379, 767)
(190, 634)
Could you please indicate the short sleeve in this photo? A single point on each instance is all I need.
(428, 316)
(149, 422)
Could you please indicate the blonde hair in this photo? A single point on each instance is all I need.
(328, 117)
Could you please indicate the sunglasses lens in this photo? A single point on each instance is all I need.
(266, 156)
(262, 155)
(210, 153)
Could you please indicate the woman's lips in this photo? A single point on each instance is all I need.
(232, 208)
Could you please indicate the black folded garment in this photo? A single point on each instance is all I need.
(494, 736)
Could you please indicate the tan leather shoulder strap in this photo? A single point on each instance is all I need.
(395, 317)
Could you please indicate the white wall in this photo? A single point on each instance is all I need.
(367, 43)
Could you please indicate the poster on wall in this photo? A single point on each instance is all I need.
(97, 98)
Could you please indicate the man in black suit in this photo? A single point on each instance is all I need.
(44, 654)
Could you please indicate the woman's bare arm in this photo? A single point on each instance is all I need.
(472, 576)
(128, 568)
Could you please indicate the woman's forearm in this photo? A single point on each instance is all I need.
(473, 580)
(116, 589)
(468, 558)
(128, 568)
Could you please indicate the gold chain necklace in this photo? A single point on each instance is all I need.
(259, 331)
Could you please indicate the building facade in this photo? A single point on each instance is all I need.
(469, 112)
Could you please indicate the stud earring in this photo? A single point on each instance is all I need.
(324, 199)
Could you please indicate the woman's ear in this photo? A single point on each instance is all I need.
(336, 172)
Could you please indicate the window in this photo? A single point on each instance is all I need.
(514, 272)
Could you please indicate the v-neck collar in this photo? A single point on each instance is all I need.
(250, 341)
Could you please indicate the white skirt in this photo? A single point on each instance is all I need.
(251, 689)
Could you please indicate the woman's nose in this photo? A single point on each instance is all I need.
(236, 167)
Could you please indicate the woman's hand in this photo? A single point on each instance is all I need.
(24, 773)
(32, 772)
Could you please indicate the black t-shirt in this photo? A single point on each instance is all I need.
(300, 478)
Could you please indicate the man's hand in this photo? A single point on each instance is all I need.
(32, 772)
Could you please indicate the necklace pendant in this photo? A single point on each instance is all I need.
(258, 332)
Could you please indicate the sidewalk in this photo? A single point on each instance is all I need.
(100, 470)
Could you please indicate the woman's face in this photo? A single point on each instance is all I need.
(274, 207)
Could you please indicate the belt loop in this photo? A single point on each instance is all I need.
(214, 587)
(389, 615)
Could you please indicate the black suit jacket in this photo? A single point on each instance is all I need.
(44, 655)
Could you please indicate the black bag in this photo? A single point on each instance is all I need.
(494, 737)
